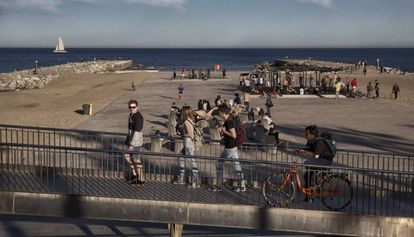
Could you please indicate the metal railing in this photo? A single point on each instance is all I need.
(97, 172)
(259, 152)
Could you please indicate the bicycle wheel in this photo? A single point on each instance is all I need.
(277, 191)
(336, 192)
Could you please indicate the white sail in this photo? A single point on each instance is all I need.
(60, 47)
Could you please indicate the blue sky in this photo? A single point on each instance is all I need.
(207, 23)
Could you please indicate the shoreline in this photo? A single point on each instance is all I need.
(390, 56)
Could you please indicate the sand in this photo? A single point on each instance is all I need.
(379, 124)
(59, 103)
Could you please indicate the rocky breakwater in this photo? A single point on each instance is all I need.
(31, 79)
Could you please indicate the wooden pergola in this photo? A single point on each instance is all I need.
(275, 70)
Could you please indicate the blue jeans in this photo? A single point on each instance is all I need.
(228, 153)
(188, 150)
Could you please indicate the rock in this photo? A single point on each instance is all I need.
(26, 80)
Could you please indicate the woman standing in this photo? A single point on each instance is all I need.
(188, 149)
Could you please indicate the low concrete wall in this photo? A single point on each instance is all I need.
(251, 217)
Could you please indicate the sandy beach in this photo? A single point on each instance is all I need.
(58, 104)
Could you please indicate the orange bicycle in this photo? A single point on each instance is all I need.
(334, 190)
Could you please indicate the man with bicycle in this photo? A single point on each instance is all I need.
(318, 152)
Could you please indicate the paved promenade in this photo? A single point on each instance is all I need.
(381, 125)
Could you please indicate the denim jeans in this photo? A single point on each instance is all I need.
(229, 153)
(189, 150)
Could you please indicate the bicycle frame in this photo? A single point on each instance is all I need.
(311, 191)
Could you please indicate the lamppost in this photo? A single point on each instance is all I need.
(35, 70)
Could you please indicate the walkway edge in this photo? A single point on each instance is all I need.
(239, 216)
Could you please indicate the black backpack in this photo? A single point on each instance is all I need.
(326, 137)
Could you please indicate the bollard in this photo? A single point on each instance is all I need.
(87, 109)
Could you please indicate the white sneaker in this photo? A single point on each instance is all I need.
(240, 189)
(194, 185)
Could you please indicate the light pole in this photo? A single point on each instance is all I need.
(35, 71)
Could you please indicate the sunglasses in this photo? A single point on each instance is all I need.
(132, 107)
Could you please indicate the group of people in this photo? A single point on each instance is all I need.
(193, 74)
(227, 129)
(196, 75)
(204, 104)
(226, 126)
(256, 83)
(374, 88)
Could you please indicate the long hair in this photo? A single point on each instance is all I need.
(187, 113)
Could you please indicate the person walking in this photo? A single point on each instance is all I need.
(134, 142)
(395, 90)
(338, 87)
(228, 131)
(370, 88)
(269, 104)
(180, 91)
(182, 73)
(354, 85)
(377, 89)
(188, 149)
(174, 73)
(247, 99)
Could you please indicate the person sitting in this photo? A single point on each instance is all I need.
(250, 115)
(259, 132)
(267, 122)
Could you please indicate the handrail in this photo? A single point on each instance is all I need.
(408, 155)
(161, 154)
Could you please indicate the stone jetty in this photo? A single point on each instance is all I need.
(32, 79)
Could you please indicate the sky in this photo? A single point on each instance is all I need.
(207, 23)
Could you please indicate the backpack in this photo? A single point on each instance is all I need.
(198, 136)
(327, 139)
(240, 131)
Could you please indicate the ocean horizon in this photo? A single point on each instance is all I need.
(231, 59)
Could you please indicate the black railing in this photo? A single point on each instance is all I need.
(253, 151)
(98, 172)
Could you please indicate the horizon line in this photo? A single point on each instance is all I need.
(299, 47)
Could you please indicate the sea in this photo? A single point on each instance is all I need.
(12, 59)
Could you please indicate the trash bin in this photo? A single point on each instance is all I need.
(87, 109)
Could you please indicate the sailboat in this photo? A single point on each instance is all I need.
(60, 47)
